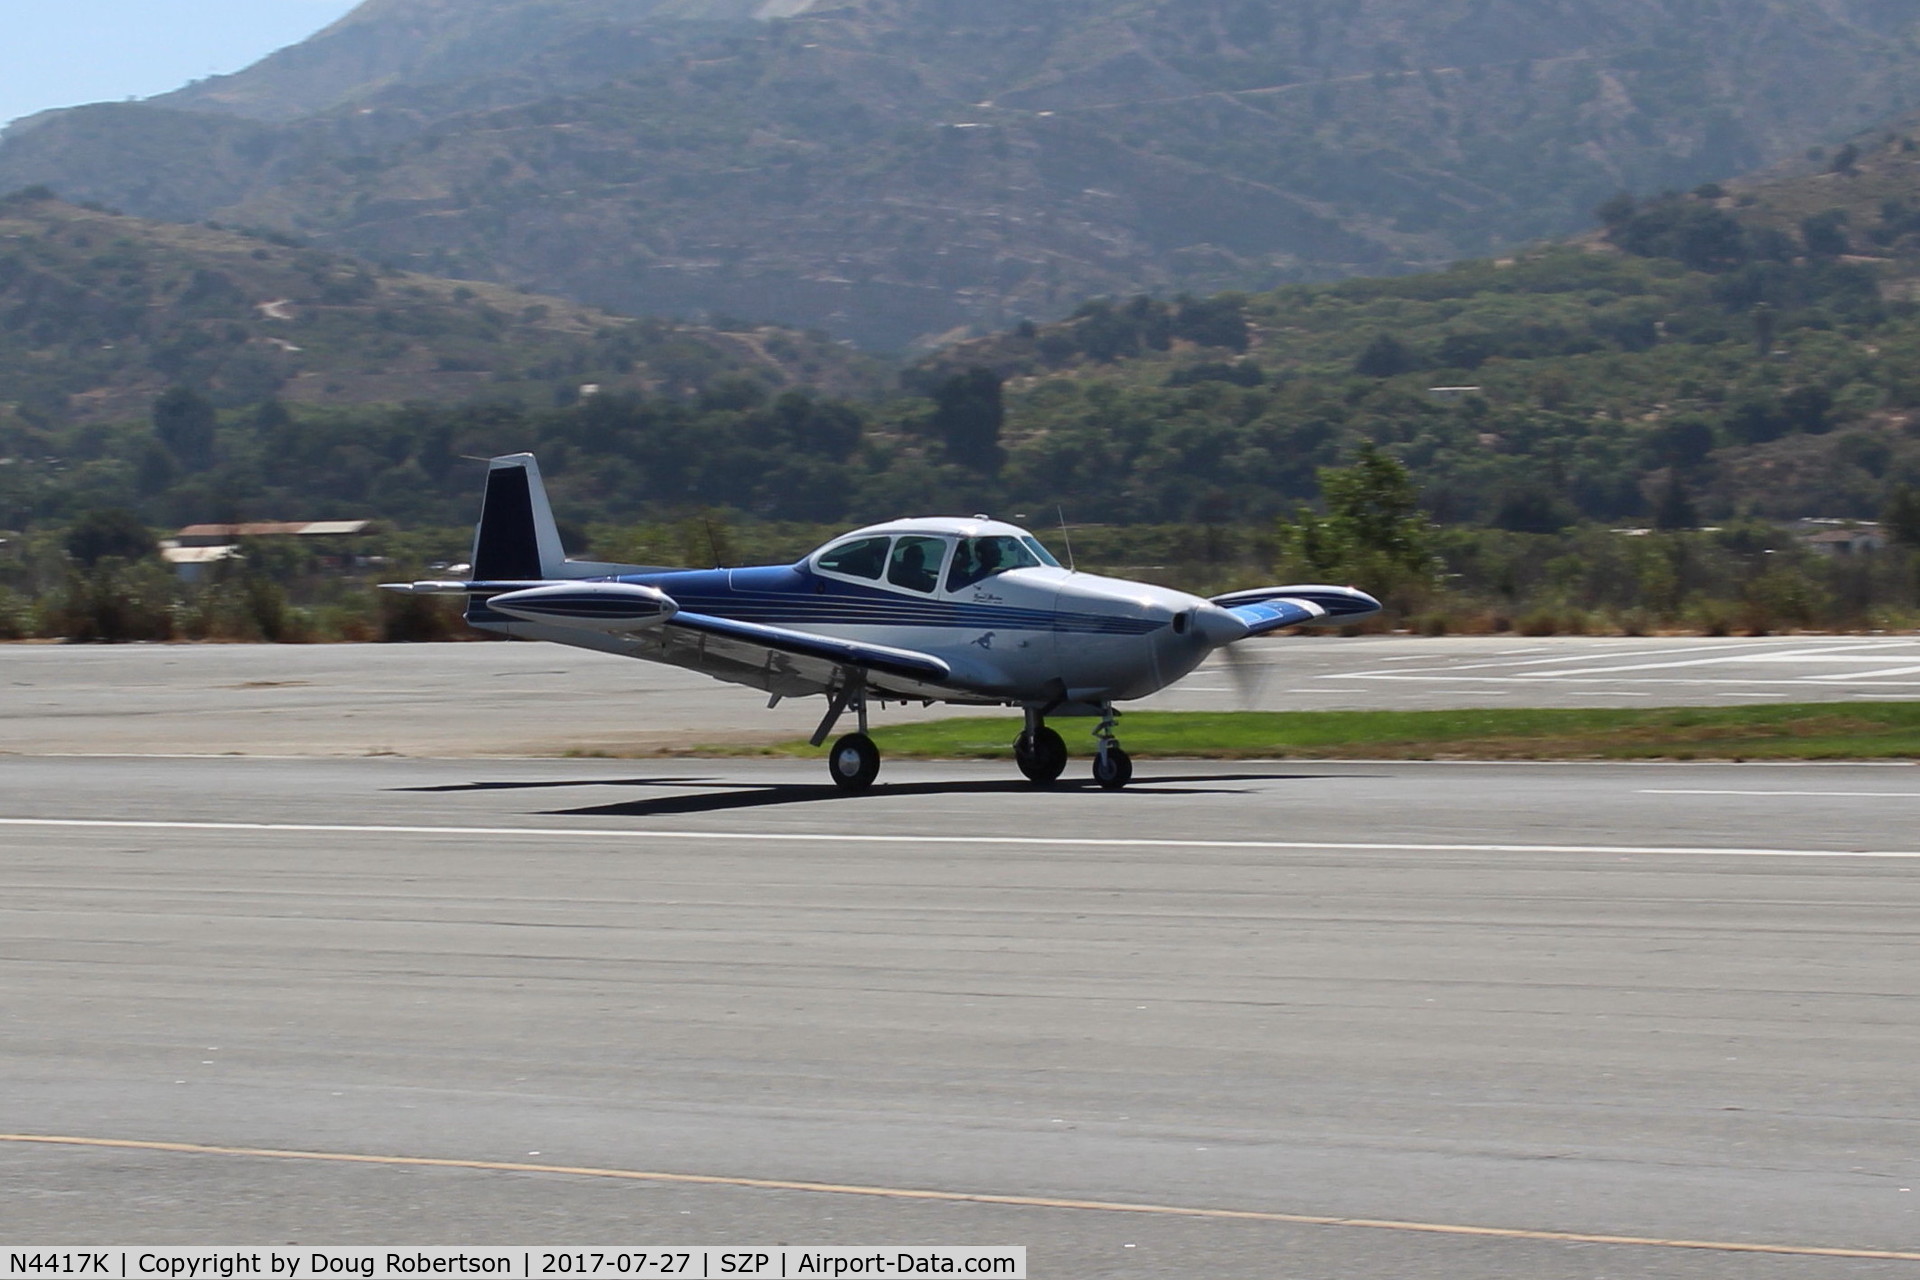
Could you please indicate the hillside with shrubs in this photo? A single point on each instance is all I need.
(1623, 432)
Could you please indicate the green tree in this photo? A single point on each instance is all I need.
(1219, 321)
(112, 531)
(1901, 516)
(1674, 510)
(1385, 357)
(1532, 508)
(114, 601)
(968, 414)
(184, 420)
(1617, 211)
(1766, 326)
(1704, 237)
(1824, 234)
(1684, 440)
(1373, 533)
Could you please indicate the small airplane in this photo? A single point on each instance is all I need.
(972, 612)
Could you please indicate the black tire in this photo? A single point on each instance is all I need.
(1042, 756)
(1112, 768)
(854, 762)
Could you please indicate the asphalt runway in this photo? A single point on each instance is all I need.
(1527, 1022)
(545, 700)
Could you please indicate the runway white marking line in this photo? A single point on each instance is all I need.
(963, 1197)
(1868, 675)
(1748, 652)
(580, 761)
(1692, 791)
(1827, 653)
(1554, 677)
(841, 837)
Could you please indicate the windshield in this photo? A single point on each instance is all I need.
(1046, 556)
(976, 559)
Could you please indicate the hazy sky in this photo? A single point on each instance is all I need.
(57, 53)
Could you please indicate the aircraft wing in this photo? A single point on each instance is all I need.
(760, 638)
(787, 663)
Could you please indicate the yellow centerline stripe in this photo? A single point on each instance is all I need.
(961, 1197)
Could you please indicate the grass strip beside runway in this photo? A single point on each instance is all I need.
(1788, 731)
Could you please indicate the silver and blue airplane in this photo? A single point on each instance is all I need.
(966, 611)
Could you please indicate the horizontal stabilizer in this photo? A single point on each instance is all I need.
(464, 586)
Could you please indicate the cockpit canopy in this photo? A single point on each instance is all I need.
(911, 555)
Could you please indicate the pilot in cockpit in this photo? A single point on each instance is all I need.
(974, 560)
(988, 551)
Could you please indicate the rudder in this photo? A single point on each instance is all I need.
(516, 539)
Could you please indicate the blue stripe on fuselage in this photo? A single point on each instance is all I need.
(792, 596)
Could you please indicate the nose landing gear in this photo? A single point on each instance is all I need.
(1112, 767)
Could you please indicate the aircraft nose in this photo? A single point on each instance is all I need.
(1217, 626)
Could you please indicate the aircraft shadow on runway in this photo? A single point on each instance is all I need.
(714, 795)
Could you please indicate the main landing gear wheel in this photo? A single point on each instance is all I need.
(854, 762)
(1041, 755)
(1112, 767)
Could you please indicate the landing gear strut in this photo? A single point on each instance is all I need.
(1039, 751)
(854, 761)
(1112, 767)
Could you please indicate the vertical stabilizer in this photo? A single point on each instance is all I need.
(516, 540)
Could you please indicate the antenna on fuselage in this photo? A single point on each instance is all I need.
(1065, 536)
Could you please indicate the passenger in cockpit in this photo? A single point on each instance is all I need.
(910, 568)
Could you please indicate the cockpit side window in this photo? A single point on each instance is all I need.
(860, 558)
(976, 559)
(916, 562)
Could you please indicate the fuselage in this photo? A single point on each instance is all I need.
(1025, 631)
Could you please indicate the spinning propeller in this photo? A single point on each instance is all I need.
(1249, 675)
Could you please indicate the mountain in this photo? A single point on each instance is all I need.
(544, 46)
(1749, 348)
(895, 171)
(1863, 195)
(100, 312)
